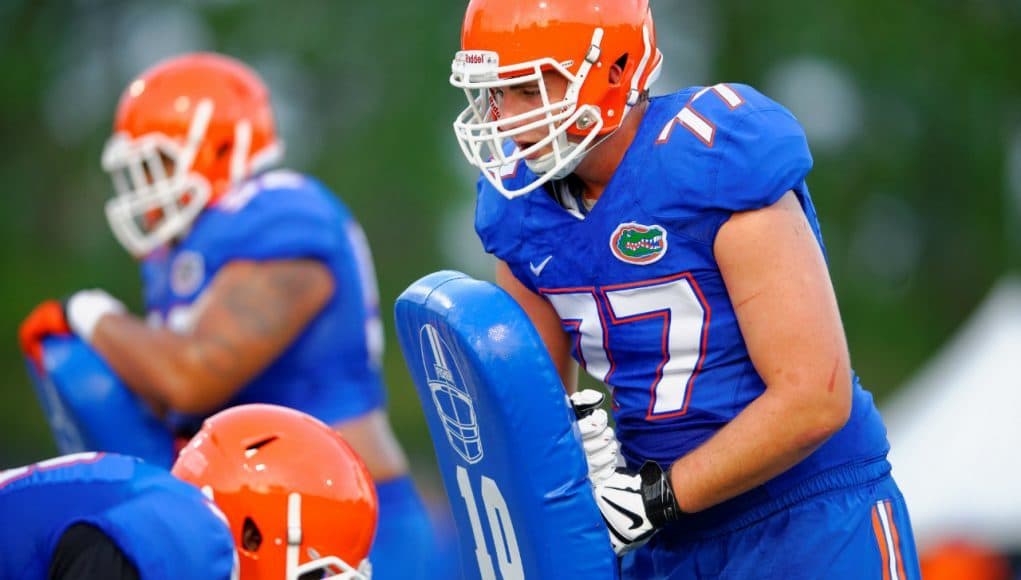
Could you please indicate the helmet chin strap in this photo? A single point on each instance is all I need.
(548, 161)
(545, 163)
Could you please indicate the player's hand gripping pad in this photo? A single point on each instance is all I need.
(512, 465)
(90, 409)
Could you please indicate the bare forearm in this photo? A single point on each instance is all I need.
(251, 314)
(777, 281)
(162, 367)
(768, 437)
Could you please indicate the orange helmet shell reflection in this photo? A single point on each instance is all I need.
(527, 30)
(253, 457)
(164, 99)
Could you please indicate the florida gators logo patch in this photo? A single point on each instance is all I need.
(638, 244)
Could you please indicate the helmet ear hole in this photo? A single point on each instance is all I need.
(616, 71)
(251, 537)
(223, 149)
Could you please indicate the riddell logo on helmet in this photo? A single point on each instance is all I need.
(477, 57)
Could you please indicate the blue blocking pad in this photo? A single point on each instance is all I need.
(503, 430)
(90, 409)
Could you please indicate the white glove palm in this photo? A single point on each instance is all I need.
(602, 450)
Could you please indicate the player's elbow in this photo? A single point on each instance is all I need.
(192, 391)
(188, 402)
(186, 396)
(827, 413)
(209, 373)
(833, 416)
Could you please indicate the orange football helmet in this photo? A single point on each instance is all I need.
(185, 131)
(512, 42)
(297, 498)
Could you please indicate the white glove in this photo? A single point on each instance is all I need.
(602, 450)
(635, 505)
(85, 307)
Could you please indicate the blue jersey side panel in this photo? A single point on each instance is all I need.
(636, 283)
(331, 371)
(166, 527)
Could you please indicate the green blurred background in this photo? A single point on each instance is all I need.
(913, 110)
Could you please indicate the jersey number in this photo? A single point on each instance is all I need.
(676, 300)
(500, 527)
(700, 126)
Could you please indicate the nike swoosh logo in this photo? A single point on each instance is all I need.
(627, 489)
(636, 520)
(542, 265)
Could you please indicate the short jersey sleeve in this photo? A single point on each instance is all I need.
(728, 148)
(280, 215)
(763, 155)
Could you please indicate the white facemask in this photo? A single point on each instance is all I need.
(481, 132)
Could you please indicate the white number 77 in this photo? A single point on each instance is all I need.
(677, 300)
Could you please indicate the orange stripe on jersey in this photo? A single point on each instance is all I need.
(888, 505)
(877, 528)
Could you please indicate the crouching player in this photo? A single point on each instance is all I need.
(262, 492)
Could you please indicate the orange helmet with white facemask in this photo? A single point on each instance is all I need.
(297, 498)
(513, 42)
(185, 131)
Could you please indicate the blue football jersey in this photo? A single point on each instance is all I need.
(636, 284)
(332, 370)
(164, 526)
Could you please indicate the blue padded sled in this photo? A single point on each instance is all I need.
(502, 427)
(90, 409)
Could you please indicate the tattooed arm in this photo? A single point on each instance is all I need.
(251, 313)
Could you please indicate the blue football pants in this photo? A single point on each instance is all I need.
(861, 533)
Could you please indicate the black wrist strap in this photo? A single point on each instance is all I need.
(658, 495)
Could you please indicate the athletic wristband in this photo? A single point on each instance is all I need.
(658, 495)
(85, 308)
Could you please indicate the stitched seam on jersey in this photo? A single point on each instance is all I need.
(640, 202)
(519, 239)
(725, 142)
(728, 141)
(676, 232)
(636, 169)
